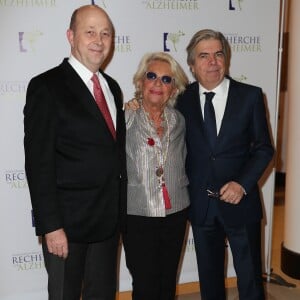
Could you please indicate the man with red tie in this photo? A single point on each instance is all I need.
(75, 162)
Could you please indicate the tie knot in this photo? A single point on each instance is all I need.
(95, 80)
(209, 95)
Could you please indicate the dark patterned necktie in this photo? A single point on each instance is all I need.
(210, 118)
(102, 104)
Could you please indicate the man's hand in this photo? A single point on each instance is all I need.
(57, 243)
(231, 192)
(132, 104)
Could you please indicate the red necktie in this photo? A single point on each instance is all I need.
(102, 104)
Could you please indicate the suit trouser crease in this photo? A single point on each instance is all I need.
(246, 250)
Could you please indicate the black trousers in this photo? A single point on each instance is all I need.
(153, 248)
(90, 270)
(245, 244)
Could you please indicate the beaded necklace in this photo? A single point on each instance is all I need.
(161, 155)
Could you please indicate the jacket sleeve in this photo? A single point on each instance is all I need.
(261, 149)
(39, 145)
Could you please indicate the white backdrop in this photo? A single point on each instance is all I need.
(33, 40)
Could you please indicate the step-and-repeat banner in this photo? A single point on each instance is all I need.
(33, 40)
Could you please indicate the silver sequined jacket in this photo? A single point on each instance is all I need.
(144, 190)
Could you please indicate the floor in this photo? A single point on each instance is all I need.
(274, 291)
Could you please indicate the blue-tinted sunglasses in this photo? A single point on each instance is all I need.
(165, 79)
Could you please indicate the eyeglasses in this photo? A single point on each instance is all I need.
(165, 79)
(213, 194)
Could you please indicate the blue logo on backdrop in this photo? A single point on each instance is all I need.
(32, 219)
(94, 3)
(171, 39)
(235, 4)
(28, 40)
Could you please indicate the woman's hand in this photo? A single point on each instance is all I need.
(132, 104)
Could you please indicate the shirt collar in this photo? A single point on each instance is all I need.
(221, 89)
(84, 73)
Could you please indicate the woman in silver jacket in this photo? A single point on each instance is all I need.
(157, 183)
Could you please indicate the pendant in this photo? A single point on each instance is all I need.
(159, 171)
(166, 196)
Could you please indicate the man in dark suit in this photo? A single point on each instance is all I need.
(75, 163)
(229, 148)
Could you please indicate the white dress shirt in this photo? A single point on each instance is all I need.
(86, 75)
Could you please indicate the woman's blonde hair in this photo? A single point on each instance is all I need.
(180, 78)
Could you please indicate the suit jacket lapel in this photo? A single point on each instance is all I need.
(80, 91)
(118, 100)
(231, 109)
(196, 111)
(195, 106)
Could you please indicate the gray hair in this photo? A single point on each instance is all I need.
(207, 34)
